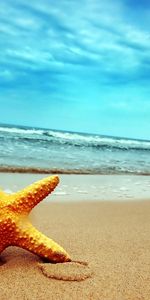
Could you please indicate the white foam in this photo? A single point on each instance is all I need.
(60, 193)
(8, 191)
(91, 139)
(123, 188)
(82, 192)
(21, 130)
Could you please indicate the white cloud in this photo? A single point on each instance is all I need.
(48, 35)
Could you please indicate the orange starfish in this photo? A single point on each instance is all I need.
(16, 229)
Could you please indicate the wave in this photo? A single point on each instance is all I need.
(99, 145)
(98, 141)
(20, 130)
(73, 139)
(58, 142)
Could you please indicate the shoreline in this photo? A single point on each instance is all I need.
(37, 170)
(85, 187)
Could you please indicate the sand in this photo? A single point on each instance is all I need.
(110, 240)
(85, 187)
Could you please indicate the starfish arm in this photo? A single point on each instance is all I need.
(2, 193)
(36, 242)
(16, 230)
(29, 197)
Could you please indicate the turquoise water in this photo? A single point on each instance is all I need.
(45, 150)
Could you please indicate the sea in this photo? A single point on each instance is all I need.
(38, 150)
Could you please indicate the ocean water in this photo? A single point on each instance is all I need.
(38, 150)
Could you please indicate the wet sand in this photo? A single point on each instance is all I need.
(111, 240)
(85, 187)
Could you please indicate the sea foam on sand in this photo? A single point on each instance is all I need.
(85, 187)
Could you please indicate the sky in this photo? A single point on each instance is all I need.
(78, 65)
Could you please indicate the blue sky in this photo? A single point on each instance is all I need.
(76, 65)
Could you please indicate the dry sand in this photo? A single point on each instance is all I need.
(112, 238)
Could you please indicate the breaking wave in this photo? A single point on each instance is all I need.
(36, 150)
(74, 139)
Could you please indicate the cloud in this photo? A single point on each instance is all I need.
(73, 48)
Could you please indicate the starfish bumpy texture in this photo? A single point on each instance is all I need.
(16, 229)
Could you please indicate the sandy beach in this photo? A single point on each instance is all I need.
(111, 238)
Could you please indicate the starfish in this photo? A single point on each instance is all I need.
(15, 227)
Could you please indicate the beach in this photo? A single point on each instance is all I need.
(107, 239)
(37, 150)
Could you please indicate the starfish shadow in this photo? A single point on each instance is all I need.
(2, 261)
